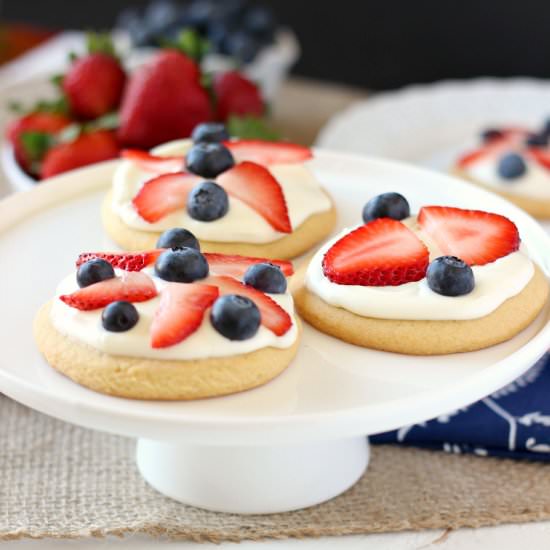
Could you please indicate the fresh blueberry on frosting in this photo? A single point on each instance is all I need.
(207, 202)
(450, 276)
(181, 265)
(210, 132)
(209, 160)
(235, 317)
(266, 277)
(511, 166)
(178, 237)
(119, 316)
(94, 271)
(537, 140)
(386, 205)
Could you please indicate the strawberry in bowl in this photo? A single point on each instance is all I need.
(100, 109)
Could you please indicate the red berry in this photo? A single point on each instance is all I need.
(151, 163)
(164, 100)
(383, 252)
(236, 266)
(236, 95)
(180, 312)
(130, 287)
(268, 152)
(474, 236)
(274, 317)
(43, 122)
(129, 261)
(163, 194)
(255, 186)
(94, 85)
(86, 149)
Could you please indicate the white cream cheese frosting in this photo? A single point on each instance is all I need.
(304, 197)
(86, 327)
(494, 284)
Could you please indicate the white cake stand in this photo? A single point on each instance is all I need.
(298, 440)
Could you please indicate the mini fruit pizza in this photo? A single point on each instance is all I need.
(171, 322)
(248, 197)
(513, 162)
(446, 280)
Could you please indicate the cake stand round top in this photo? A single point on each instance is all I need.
(331, 390)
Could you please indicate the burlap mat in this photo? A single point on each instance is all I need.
(57, 480)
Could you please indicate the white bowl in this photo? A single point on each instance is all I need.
(17, 178)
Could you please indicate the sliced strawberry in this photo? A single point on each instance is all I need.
(542, 156)
(162, 195)
(152, 163)
(268, 152)
(274, 317)
(180, 312)
(255, 186)
(131, 287)
(474, 236)
(129, 261)
(383, 252)
(236, 266)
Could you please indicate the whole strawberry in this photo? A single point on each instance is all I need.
(163, 100)
(32, 134)
(236, 95)
(95, 82)
(87, 148)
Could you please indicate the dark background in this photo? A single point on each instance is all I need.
(379, 44)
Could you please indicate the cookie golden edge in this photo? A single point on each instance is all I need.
(538, 208)
(423, 337)
(153, 379)
(314, 230)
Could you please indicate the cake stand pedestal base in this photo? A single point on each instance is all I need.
(252, 479)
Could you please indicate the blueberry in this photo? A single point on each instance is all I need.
(94, 271)
(209, 159)
(260, 21)
(242, 45)
(210, 132)
(181, 265)
(266, 277)
(160, 14)
(177, 237)
(537, 140)
(200, 12)
(207, 202)
(235, 317)
(490, 134)
(450, 276)
(511, 166)
(386, 205)
(119, 316)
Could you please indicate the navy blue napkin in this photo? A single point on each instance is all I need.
(513, 422)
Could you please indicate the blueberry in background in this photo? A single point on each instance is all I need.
(235, 317)
(537, 140)
(207, 202)
(119, 316)
(266, 277)
(181, 265)
(260, 21)
(511, 166)
(242, 45)
(450, 276)
(387, 205)
(178, 237)
(94, 271)
(210, 132)
(209, 159)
